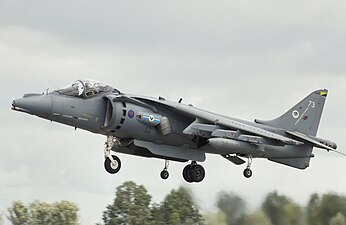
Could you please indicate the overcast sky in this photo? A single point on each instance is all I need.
(246, 59)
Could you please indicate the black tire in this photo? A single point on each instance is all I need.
(186, 174)
(197, 173)
(247, 173)
(111, 168)
(164, 174)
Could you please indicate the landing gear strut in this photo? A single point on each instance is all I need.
(164, 173)
(112, 163)
(193, 172)
(248, 172)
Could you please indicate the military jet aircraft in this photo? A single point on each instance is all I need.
(169, 130)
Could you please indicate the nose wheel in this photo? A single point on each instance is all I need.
(248, 172)
(193, 173)
(112, 166)
(112, 163)
(164, 173)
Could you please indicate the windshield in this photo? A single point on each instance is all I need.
(86, 88)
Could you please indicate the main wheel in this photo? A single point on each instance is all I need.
(112, 167)
(247, 173)
(197, 173)
(164, 174)
(186, 175)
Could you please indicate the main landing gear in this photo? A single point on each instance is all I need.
(112, 163)
(248, 172)
(193, 172)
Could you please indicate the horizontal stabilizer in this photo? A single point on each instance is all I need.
(310, 140)
(328, 145)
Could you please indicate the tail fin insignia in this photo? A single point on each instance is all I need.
(322, 93)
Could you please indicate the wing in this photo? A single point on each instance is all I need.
(215, 119)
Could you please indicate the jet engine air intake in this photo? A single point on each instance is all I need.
(109, 113)
(115, 115)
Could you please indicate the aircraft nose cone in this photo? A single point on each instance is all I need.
(40, 105)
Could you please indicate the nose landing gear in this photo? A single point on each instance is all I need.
(112, 163)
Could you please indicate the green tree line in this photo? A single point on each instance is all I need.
(42, 213)
(276, 209)
(132, 205)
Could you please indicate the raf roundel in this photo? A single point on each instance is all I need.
(295, 114)
(131, 114)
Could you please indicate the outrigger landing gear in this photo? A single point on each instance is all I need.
(112, 163)
(193, 172)
(164, 173)
(248, 172)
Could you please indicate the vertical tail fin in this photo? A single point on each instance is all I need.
(304, 117)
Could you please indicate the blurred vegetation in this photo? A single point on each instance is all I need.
(276, 209)
(281, 210)
(232, 206)
(41, 213)
(177, 208)
(132, 205)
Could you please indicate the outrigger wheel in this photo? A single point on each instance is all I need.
(164, 173)
(248, 172)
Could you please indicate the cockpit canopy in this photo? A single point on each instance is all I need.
(86, 89)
